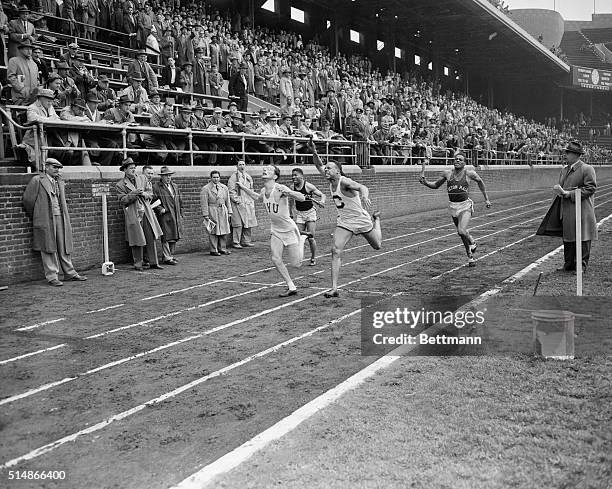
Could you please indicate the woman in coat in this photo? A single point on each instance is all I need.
(216, 208)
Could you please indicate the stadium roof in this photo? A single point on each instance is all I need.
(487, 39)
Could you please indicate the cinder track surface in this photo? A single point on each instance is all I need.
(137, 380)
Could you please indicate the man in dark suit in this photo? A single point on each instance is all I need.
(19, 30)
(576, 174)
(238, 87)
(169, 213)
(45, 200)
(130, 25)
(171, 75)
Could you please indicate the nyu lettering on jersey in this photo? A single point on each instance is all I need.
(277, 207)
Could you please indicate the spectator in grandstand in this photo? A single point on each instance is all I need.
(135, 194)
(105, 94)
(184, 120)
(576, 174)
(161, 118)
(4, 30)
(68, 12)
(20, 30)
(75, 112)
(237, 87)
(144, 24)
(82, 77)
(171, 74)
(186, 80)
(167, 47)
(137, 94)
(216, 208)
(201, 72)
(169, 214)
(40, 111)
(22, 74)
(243, 207)
(121, 115)
(285, 88)
(43, 68)
(97, 139)
(44, 200)
(216, 82)
(129, 25)
(184, 47)
(140, 68)
(385, 141)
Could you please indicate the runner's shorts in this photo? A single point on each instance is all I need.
(302, 217)
(457, 208)
(360, 225)
(287, 237)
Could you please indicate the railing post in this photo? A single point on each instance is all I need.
(38, 160)
(326, 150)
(294, 151)
(243, 147)
(124, 139)
(190, 139)
(578, 240)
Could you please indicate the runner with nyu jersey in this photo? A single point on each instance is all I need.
(305, 213)
(460, 205)
(352, 217)
(284, 231)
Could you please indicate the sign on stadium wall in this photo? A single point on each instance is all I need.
(592, 78)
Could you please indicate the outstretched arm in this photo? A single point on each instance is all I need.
(311, 189)
(474, 176)
(299, 196)
(315, 156)
(253, 195)
(434, 185)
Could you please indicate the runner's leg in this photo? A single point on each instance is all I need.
(311, 227)
(463, 221)
(374, 237)
(341, 238)
(277, 247)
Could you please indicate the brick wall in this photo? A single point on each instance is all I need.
(394, 190)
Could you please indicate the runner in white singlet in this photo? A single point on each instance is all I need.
(284, 232)
(352, 217)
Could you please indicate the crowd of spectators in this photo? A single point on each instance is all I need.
(320, 95)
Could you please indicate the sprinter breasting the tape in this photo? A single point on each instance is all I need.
(352, 217)
(305, 213)
(460, 205)
(284, 231)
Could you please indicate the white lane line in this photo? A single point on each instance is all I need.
(499, 249)
(38, 325)
(172, 292)
(117, 417)
(244, 282)
(32, 353)
(241, 454)
(105, 308)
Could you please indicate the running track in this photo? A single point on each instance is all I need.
(139, 380)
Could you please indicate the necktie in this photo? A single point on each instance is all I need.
(217, 188)
(55, 187)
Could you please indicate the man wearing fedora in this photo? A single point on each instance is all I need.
(243, 206)
(169, 213)
(67, 91)
(44, 200)
(20, 30)
(22, 74)
(105, 94)
(142, 69)
(237, 87)
(141, 226)
(576, 174)
(97, 139)
(40, 111)
(137, 93)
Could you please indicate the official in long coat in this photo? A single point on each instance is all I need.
(20, 30)
(22, 74)
(141, 226)
(169, 213)
(243, 207)
(216, 207)
(576, 174)
(45, 200)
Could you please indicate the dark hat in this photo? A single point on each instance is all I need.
(79, 103)
(254, 115)
(125, 163)
(137, 78)
(154, 93)
(124, 99)
(186, 108)
(574, 147)
(164, 170)
(93, 97)
(53, 77)
(54, 162)
(24, 8)
(141, 52)
(187, 63)
(62, 65)
(237, 115)
(199, 50)
(244, 66)
(232, 103)
(103, 78)
(73, 45)
(25, 44)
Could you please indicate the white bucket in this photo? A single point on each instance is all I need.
(553, 333)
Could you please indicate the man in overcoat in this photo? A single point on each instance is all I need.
(243, 207)
(169, 213)
(44, 200)
(576, 174)
(216, 208)
(141, 226)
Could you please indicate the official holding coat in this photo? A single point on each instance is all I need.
(243, 207)
(216, 208)
(45, 200)
(170, 213)
(576, 174)
(141, 226)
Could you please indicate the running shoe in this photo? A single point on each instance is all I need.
(471, 262)
(473, 247)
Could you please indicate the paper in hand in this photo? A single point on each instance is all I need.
(210, 225)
